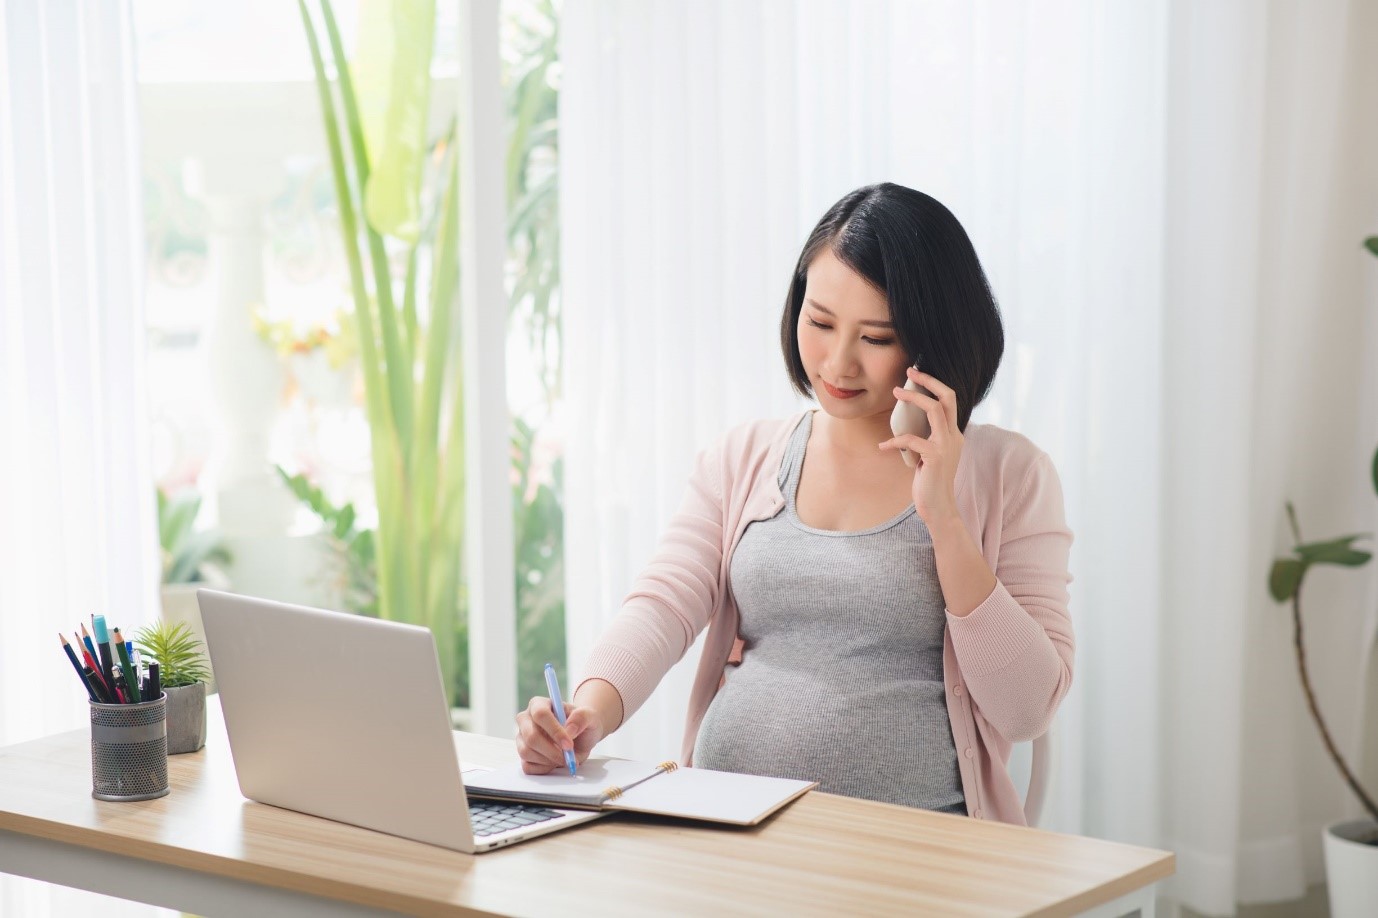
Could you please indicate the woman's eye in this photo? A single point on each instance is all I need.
(880, 342)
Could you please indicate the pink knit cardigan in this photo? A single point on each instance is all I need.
(1006, 665)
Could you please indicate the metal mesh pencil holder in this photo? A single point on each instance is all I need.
(129, 750)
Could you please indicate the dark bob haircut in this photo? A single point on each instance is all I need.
(912, 249)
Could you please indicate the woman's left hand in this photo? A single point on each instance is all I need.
(935, 472)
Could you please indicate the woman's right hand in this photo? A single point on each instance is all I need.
(541, 741)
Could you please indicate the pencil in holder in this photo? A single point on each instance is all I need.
(129, 750)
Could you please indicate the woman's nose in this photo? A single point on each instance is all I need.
(842, 363)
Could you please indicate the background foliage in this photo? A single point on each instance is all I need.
(530, 79)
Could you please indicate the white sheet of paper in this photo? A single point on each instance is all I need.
(585, 788)
(717, 796)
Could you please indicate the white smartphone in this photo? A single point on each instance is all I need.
(910, 419)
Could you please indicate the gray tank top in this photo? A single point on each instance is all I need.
(842, 679)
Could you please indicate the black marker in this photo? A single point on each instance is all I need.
(102, 694)
(77, 666)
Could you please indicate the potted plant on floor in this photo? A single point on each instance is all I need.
(1351, 847)
(183, 670)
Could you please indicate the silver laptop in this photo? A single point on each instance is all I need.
(345, 717)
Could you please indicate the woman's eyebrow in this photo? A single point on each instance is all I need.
(826, 311)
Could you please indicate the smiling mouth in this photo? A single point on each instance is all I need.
(835, 392)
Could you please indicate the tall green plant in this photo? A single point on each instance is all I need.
(413, 387)
(539, 527)
(530, 76)
(1284, 584)
(533, 198)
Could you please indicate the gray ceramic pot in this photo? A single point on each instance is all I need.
(186, 718)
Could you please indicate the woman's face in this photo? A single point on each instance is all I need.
(847, 342)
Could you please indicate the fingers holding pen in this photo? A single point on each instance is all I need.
(583, 727)
(543, 713)
(541, 740)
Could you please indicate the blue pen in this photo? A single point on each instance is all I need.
(558, 703)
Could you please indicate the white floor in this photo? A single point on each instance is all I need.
(1315, 905)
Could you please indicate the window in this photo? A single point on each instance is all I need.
(254, 358)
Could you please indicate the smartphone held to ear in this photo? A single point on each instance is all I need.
(910, 419)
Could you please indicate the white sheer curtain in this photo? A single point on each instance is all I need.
(700, 149)
(1168, 198)
(1267, 299)
(77, 527)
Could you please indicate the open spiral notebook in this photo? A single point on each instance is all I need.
(665, 790)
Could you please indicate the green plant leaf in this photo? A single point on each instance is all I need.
(163, 514)
(349, 231)
(186, 550)
(1350, 558)
(397, 371)
(198, 549)
(1375, 471)
(179, 655)
(362, 547)
(1335, 551)
(295, 483)
(441, 343)
(411, 325)
(393, 64)
(1285, 577)
(1371, 243)
(344, 521)
(179, 513)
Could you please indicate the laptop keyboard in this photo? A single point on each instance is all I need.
(489, 817)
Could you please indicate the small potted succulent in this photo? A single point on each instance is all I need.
(183, 671)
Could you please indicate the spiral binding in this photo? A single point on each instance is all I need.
(612, 793)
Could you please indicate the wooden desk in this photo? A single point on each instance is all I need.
(206, 849)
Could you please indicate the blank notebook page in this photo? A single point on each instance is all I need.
(586, 788)
(720, 796)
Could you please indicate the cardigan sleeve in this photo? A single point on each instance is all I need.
(1015, 649)
(673, 598)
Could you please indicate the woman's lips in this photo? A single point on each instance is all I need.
(841, 393)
